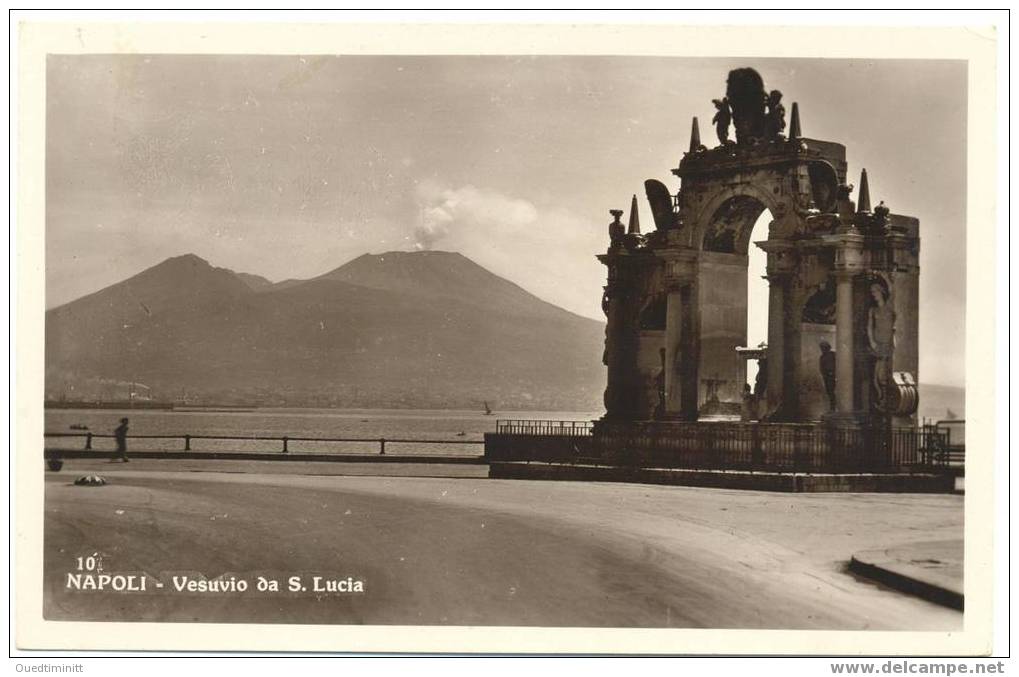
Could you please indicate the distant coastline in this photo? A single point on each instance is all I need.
(145, 404)
(125, 404)
(936, 401)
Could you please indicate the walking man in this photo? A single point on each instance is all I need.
(120, 433)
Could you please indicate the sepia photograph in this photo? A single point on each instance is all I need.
(504, 340)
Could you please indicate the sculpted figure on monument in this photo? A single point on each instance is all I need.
(820, 306)
(881, 339)
(845, 207)
(748, 408)
(616, 228)
(881, 213)
(761, 382)
(774, 125)
(824, 185)
(827, 366)
(660, 199)
(746, 96)
(722, 119)
(659, 411)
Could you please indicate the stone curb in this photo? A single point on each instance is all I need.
(65, 454)
(725, 479)
(901, 578)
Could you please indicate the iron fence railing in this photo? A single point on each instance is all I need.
(955, 439)
(544, 427)
(776, 447)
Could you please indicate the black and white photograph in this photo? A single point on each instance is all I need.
(537, 340)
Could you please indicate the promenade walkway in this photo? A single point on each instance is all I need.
(475, 551)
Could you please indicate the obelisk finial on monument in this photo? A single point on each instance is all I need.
(794, 124)
(863, 199)
(634, 228)
(695, 136)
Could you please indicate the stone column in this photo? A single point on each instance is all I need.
(680, 340)
(781, 266)
(776, 340)
(849, 262)
(673, 350)
(844, 343)
(690, 369)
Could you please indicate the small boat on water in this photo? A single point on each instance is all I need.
(488, 410)
(79, 426)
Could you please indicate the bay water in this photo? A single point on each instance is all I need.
(404, 424)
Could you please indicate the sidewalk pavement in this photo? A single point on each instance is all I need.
(932, 570)
(289, 466)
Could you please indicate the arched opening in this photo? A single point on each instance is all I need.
(734, 307)
(757, 294)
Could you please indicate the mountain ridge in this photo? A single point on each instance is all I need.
(421, 328)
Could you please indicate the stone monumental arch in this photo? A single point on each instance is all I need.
(840, 272)
(835, 392)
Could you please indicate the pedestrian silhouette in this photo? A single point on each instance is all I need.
(120, 434)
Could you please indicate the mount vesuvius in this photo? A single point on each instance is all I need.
(416, 329)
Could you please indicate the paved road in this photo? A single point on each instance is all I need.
(478, 552)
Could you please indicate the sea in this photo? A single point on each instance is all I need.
(449, 432)
(459, 432)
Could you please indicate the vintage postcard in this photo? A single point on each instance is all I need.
(597, 339)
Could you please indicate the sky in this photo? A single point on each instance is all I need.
(290, 166)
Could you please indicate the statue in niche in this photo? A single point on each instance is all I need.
(820, 306)
(881, 340)
(677, 372)
(748, 410)
(746, 95)
(774, 123)
(711, 386)
(761, 382)
(652, 315)
(827, 366)
(660, 386)
(722, 119)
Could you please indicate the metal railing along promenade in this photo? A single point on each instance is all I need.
(86, 441)
(954, 431)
